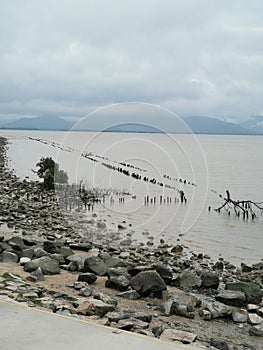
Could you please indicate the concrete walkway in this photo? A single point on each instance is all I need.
(24, 328)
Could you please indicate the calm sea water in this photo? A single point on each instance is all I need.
(209, 165)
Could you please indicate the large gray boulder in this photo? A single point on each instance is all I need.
(114, 262)
(120, 283)
(9, 257)
(214, 310)
(4, 246)
(48, 265)
(119, 271)
(257, 330)
(39, 253)
(164, 272)
(77, 261)
(28, 253)
(188, 281)
(95, 265)
(231, 297)
(148, 282)
(56, 247)
(17, 243)
(252, 291)
(210, 280)
(52, 247)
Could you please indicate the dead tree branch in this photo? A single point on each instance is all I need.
(247, 208)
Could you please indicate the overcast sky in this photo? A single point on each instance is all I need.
(194, 57)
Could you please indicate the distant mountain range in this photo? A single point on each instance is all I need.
(206, 125)
(198, 125)
(42, 122)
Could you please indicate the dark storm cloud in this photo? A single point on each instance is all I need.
(193, 57)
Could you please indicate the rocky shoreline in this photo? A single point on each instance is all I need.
(51, 260)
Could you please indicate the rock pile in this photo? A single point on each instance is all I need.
(154, 290)
(183, 295)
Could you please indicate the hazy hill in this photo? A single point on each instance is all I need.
(198, 125)
(254, 124)
(42, 122)
(206, 125)
(133, 127)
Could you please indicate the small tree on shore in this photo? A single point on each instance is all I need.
(50, 172)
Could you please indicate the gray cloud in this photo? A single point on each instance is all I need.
(70, 57)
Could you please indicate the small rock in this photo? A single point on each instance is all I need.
(39, 253)
(85, 292)
(178, 249)
(245, 268)
(210, 280)
(239, 316)
(73, 266)
(129, 294)
(177, 335)
(121, 227)
(252, 307)
(77, 260)
(38, 274)
(120, 283)
(118, 271)
(132, 324)
(124, 255)
(106, 299)
(80, 285)
(24, 260)
(134, 270)
(206, 315)
(113, 262)
(256, 330)
(87, 277)
(28, 253)
(143, 316)
(182, 309)
(94, 307)
(219, 265)
(117, 316)
(220, 344)
(254, 319)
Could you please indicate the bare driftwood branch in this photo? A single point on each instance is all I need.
(248, 208)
